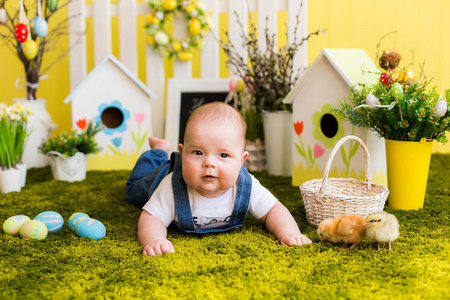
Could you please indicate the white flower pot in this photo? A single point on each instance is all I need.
(10, 180)
(23, 173)
(39, 124)
(278, 141)
(68, 168)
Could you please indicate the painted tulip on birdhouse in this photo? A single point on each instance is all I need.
(21, 32)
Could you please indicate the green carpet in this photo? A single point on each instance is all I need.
(247, 263)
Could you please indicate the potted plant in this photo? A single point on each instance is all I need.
(409, 116)
(269, 74)
(67, 151)
(25, 31)
(242, 99)
(13, 131)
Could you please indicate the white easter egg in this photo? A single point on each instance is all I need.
(371, 100)
(441, 108)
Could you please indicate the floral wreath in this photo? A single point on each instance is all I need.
(162, 41)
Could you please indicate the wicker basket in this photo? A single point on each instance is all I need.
(331, 197)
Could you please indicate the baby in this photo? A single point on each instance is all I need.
(203, 188)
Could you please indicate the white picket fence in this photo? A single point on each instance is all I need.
(101, 12)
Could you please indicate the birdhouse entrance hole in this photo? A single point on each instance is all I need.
(329, 125)
(112, 117)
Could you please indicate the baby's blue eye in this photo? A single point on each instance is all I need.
(197, 152)
(224, 155)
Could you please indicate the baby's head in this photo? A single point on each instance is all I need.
(213, 148)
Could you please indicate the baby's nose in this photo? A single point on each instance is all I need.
(209, 163)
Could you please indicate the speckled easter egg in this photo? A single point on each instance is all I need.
(12, 224)
(51, 219)
(90, 228)
(397, 91)
(33, 229)
(75, 218)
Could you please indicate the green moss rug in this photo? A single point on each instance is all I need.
(247, 263)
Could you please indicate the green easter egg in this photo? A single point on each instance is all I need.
(397, 91)
(52, 5)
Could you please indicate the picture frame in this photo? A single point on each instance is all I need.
(183, 96)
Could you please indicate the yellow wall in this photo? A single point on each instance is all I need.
(421, 26)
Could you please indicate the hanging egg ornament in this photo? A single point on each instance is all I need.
(40, 26)
(397, 91)
(240, 85)
(371, 100)
(21, 32)
(441, 108)
(385, 79)
(150, 40)
(52, 5)
(3, 17)
(233, 85)
(30, 49)
(161, 38)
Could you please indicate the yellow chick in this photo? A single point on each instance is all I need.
(382, 227)
(348, 229)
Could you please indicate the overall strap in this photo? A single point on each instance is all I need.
(180, 195)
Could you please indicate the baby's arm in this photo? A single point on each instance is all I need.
(152, 234)
(280, 222)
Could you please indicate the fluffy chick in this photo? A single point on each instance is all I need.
(382, 227)
(349, 229)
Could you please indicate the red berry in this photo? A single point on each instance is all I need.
(423, 98)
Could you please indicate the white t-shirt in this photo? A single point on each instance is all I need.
(207, 212)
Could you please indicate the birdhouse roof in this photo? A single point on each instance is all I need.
(353, 65)
(121, 67)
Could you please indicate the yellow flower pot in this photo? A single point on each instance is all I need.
(407, 171)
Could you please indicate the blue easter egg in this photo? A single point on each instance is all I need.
(40, 26)
(51, 219)
(90, 228)
(75, 218)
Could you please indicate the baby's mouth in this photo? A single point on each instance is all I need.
(209, 177)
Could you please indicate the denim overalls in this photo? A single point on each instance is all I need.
(153, 166)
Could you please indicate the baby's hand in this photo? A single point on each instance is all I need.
(161, 246)
(295, 239)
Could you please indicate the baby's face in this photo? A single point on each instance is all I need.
(212, 157)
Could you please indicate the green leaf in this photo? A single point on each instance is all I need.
(344, 155)
(353, 150)
(300, 150)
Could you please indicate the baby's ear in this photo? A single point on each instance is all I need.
(180, 148)
(245, 156)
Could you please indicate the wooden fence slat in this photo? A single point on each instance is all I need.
(101, 10)
(210, 52)
(77, 42)
(154, 68)
(301, 59)
(127, 34)
(266, 10)
(234, 30)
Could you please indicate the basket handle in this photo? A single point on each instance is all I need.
(322, 189)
